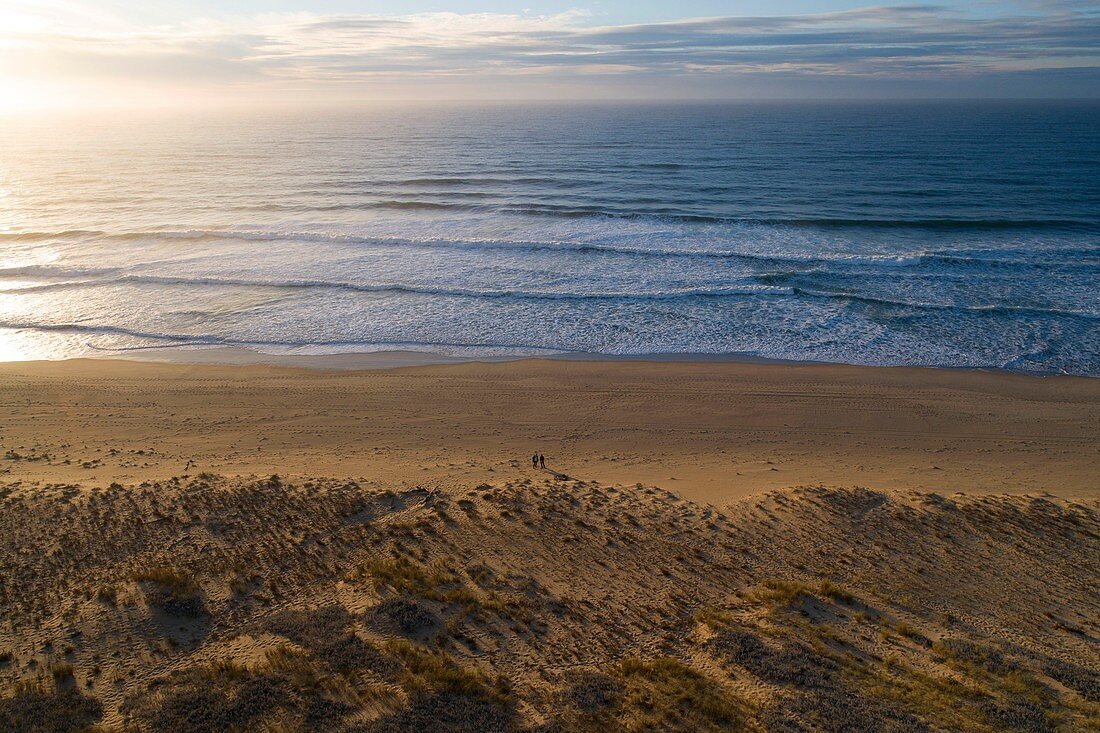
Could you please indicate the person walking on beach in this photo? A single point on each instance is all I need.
(542, 461)
(535, 461)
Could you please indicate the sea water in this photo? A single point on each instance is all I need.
(943, 234)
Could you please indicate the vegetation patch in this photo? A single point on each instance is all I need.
(442, 583)
(840, 709)
(714, 618)
(1012, 702)
(649, 694)
(1084, 681)
(61, 671)
(326, 632)
(173, 591)
(405, 616)
(972, 658)
(289, 694)
(33, 707)
(444, 696)
(834, 592)
(591, 693)
(445, 713)
(665, 693)
(781, 592)
(790, 664)
(435, 672)
(439, 583)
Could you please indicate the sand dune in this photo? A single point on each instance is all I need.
(547, 605)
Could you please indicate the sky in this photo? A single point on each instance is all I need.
(116, 53)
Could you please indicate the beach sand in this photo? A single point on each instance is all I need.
(710, 431)
(407, 569)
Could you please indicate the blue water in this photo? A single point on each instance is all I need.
(929, 234)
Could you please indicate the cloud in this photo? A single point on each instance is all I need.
(913, 45)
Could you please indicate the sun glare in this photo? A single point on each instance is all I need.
(12, 344)
(17, 96)
(10, 347)
(7, 98)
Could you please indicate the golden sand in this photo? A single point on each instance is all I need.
(711, 432)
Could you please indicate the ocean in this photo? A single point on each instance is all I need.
(937, 234)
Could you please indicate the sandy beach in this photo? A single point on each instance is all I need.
(714, 546)
(712, 432)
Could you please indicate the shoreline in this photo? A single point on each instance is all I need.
(395, 358)
(399, 358)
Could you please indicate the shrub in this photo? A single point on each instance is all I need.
(911, 632)
(972, 657)
(405, 615)
(440, 673)
(593, 692)
(834, 592)
(173, 580)
(222, 671)
(713, 618)
(405, 576)
(446, 712)
(442, 584)
(1084, 681)
(324, 631)
(61, 671)
(225, 696)
(791, 664)
(665, 693)
(1017, 715)
(174, 591)
(781, 592)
